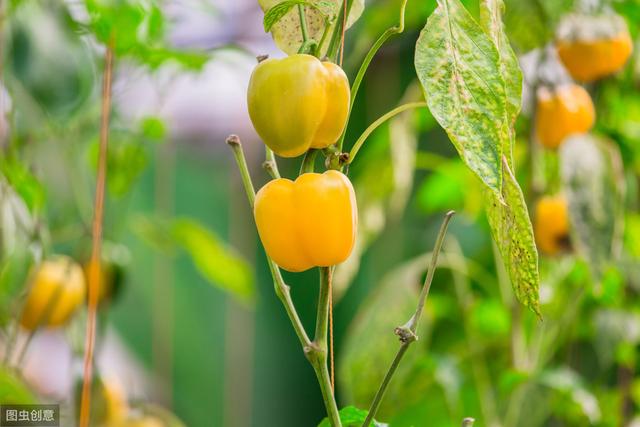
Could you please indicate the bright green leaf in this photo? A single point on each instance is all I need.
(13, 390)
(351, 416)
(153, 128)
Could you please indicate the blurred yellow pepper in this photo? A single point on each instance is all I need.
(551, 224)
(592, 46)
(589, 60)
(561, 112)
(309, 222)
(297, 103)
(57, 289)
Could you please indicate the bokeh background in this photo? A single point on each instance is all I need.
(196, 327)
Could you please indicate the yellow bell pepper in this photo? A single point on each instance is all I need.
(57, 289)
(309, 222)
(561, 112)
(592, 47)
(551, 224)
(297, 103)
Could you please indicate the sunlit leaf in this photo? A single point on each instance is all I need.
(276, 13)
(592, 180)
(286, 31)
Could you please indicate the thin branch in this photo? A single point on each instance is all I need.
(365, 65)
(270, 164)
(312, 350)
(336, 37)
(309, 161)
(94, 274)
(373, 126)
(408, 332)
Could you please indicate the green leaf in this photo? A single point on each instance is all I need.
(351, 417)
(512, 231)
(459, 68)
(472, 83)
(13, 390)
(592, 178)
(153, 128)
(218, 263)
(28, 187)
(285, 24)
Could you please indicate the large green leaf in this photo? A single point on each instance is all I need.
(286, 31)
(472, 83)
(592, 178)
(218, 263)
(459, 68)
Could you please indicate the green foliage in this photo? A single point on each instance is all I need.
(594, 186)
(472, 84)
(136, 29)
(219, 264)
(13, 389)
(351, 416)
(26, 185)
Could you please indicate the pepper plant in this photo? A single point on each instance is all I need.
(472, 86)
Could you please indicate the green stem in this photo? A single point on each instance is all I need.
(303, 23)
(365, 65)
(407, 332)
(318, 50)
(318, 354)
(373, 126)
(281, 288)
(309, 161)
(270, 164)
(316, 351)
(336, 37)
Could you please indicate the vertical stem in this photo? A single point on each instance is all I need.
(95, 273)
(303, 24)
(318, 356)
(270, 163)
(308, 163)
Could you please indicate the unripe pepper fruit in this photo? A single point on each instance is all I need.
(551, 224)
(561, 112)
(309, 222)
(592, 47)
(57, 289)
(297, 103)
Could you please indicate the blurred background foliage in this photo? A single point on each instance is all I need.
(196, 313)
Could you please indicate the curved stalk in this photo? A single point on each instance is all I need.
(407, 332)
(309, 161)
(365, 65)
(373, 126)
